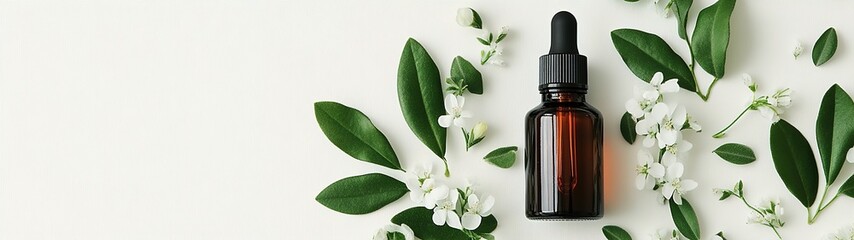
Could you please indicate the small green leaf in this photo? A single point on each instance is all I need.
(725, 195)
(615, 233)
(795, 162)
(683, 7)
(478, 22)
(482, 41)
(834, 130)
(503, 157)
(847, 188)
(421, 221)
(645, 54)
(711, 37)
(361, 194)
(685, 219)
(462, 69)
(736, 153)
(352, 132)
(627, 128)
(419, 90)
(824, 47)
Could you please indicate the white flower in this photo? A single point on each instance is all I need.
(664, 234)
(843, 234)
(456, 115)
(850, 155)
(660, 87)
(496, 61)
(693, 124)
(672, 153)
(770, 214)
(422, 188)
(774, 105)
(649, 125)
(465, 17)
(671, 127)
(444, 212)
(748, 81)
(647, 167)
(383, 233)
(476, 210)
(504, 30)
(639, 106)
(798, 49)
(674, 186)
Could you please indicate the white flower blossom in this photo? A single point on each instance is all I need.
(665, 234)
(476, 210)
(648, 170)
(402, 229)
(465, 17)
(693, 124)
(798, 49)
(661, 87)
(770, 214)
(649, 125)
(748, 81)
(674, 152)
(423, 189)
(640, 106)
(454, 108)
(843, 234)
(773, 106)
(674, 186)
(444, 212)
(671, 126)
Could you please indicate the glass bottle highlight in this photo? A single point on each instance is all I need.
(563, 135)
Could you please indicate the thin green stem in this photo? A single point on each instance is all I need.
(777, 232)
(723, 131)
(821, 205)
(744, 200)
(447, 170)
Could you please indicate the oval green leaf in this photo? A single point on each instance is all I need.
(463, 69)
(711, 37)
(421, 221)
(824, 47)
(502, 157)
(419, 90)
(834, 130)
(736, 153)
(615, 233)
(847, 188)
(685, 219)
(682, 9)
(627, 128)
(352, 132)
(361, 194)
(645, 54)
(794, 161)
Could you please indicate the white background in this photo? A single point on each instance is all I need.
(193, 119)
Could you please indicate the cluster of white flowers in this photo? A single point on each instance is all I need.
(468, 17)
(769, 214)
(458, 117)
(770, 106)
(449, 207)
(843, 234)
(392, 231)
(667, 10)
(662, 124)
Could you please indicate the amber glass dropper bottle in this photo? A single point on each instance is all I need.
(563, 135)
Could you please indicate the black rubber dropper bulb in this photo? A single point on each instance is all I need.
(564, 34)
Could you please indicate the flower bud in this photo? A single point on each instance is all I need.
(468, 17)
(479, 130)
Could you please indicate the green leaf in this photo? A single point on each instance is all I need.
(736, 153)
(361, 194)
(615, 233)
(462, 69)
(795, 162)
(824, 47)
(685, 219)
(478, 22)
(683, 7)
(834, 130)
(645, 54)
(483, 41)
(421, 221)
(419, 90)
(352, 132)
(711, 37)
(487, 236)
(503, 157)
(847, 188)
(627, 128)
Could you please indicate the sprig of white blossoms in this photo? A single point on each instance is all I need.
(799, 48)
(769, 106)
(459, 208)
(458, 117)
(843, 234)
(662, 124)
(395, 232)
(769, 213)
(467, 17)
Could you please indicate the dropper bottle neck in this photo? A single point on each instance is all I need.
(563, 97)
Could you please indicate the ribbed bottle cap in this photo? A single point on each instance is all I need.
(563, 69)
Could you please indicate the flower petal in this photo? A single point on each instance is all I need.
(487, 205)
(670, 86)
(667, 190)
(644, 157)
(461, 101)
(674, 171)
(640, 181)
(408, 234)
(659, 111)
(850, 155)
(439, 217)
(687, 185)
(656, 170)
(634, 108)
(446, 120)
(649, 141)
(460, 121)
(471, 221)
(454, 220)
(679, 116)
(657, 78)
(450, 103)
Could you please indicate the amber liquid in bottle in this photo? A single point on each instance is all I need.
(564, 159)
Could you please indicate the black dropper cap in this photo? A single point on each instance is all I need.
(563, 69)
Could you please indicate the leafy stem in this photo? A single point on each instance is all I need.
(811, 218)
(721, 133)
(740, 195)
